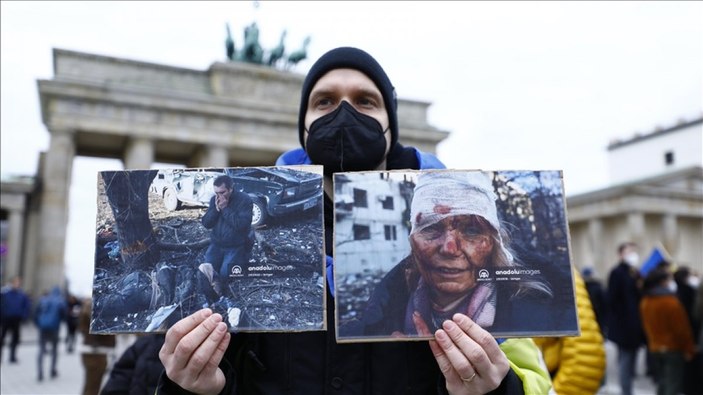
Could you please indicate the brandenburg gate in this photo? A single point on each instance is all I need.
(232, 114)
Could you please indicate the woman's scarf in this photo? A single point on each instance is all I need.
(479, 305)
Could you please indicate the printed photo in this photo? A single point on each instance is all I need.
(413, 248)
(244, 242)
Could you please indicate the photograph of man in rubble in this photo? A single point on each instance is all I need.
(245, 242)
(413, 248)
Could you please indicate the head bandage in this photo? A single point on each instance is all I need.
(442, 194)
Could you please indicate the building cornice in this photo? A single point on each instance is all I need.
(678, 192)
(638, 138)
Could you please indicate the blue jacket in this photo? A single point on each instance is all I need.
(298, 156)
(51, 310)
(14, 303)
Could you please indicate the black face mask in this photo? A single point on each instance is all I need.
(346, 140)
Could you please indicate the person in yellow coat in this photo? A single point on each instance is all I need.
(576, 364)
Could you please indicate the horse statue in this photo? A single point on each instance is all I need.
(277, 53)
(300, 54)
(229, 43)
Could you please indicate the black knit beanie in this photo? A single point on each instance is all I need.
(350, 58)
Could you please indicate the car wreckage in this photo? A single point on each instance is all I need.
(275, 191)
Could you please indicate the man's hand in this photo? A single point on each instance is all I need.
(221, 202)
(468, 356)
(192, 352)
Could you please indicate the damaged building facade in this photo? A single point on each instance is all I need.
(371, 222)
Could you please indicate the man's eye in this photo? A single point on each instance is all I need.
(366, 102)
(323, 103)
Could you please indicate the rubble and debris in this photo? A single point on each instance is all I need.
(289, 299)
(356, 289)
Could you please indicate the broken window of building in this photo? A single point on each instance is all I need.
(360, 198)
(362, 232)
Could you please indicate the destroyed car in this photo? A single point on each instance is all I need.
(274, 191)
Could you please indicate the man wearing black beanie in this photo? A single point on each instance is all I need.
(356, 59)
(395, 155)
(347, 122)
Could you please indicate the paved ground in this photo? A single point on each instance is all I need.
(21, 378)
(642, 384)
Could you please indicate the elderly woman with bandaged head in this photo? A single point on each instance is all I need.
(456, 233)
(458, 244)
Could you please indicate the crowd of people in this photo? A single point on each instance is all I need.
(655, 308)
(348, 122)
(48, 313)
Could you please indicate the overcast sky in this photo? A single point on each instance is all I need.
(524, 85)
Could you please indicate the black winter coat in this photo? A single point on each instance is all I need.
(138, 370)
(231, 226)
(624, 322)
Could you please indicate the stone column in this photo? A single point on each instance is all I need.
(55, 184)
(595, 246)
(15, 235)
(210, 156)
(635, 226)
(30, 254)
(670, 231)
(139, 154)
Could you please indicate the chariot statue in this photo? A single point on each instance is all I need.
(253, 52)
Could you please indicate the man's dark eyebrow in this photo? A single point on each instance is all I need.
(331, 92)
(321, 92)
(325, 91)
(370, 92)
